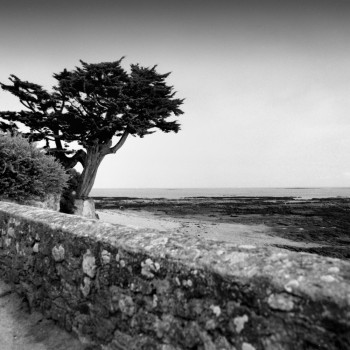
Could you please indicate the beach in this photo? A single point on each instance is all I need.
(319, 225)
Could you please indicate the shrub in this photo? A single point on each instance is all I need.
(26, 172)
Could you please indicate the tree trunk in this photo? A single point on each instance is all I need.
(91, 160)
(85, 208)
(94, 157)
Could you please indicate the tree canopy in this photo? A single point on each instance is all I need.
(92, 104)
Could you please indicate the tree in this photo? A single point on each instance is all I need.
(93, 104)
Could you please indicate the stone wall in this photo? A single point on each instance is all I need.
(50, 202)
(124, 288)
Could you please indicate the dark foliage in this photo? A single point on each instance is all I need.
(69, 193)
(26, 172)
(91, 105)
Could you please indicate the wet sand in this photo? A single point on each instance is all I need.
(319, 226)
(229, 232)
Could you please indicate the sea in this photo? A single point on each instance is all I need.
(177, 193)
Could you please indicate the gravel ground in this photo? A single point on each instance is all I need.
(21, 329)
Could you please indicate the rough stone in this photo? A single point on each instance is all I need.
(149, 267)
(86, 286)
(247, 346)
(281, 302)
(239, 323)
(216, 310)
(106, 257)
(51, 202)
(85, 208)
(58, 253)
(36, 248)
(126, 288)
(293, 284)
(89, 264)
(126, 305)
(328, 278)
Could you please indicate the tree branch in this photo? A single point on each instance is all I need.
(58, 142)
(119, 144)
(71, 162)
(25, 105)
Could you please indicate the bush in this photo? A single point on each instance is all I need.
(26, 172)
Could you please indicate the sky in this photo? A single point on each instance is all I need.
(266, 84)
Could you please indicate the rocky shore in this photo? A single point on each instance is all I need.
(320, 226)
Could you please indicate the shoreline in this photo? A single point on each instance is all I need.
(320, 226)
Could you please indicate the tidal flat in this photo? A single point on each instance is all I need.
(319, 225)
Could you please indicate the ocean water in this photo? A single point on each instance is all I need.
(176, 193)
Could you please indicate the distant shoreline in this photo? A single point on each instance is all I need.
(177, 193)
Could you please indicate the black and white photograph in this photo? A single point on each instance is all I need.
(175, 175)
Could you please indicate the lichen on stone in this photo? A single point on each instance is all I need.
(105, 256)
(281, 301)
(187, 283)
(155, 301)
(247, 346)
(11, 232)
(292, 284)
(239, 322)
(36, 247)
(58, 253)
(216, 310)
(89, 264)
(148, 267)
(247, 246)
(85, 287)
(126, 305)
(334, 269)
(328, 278)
